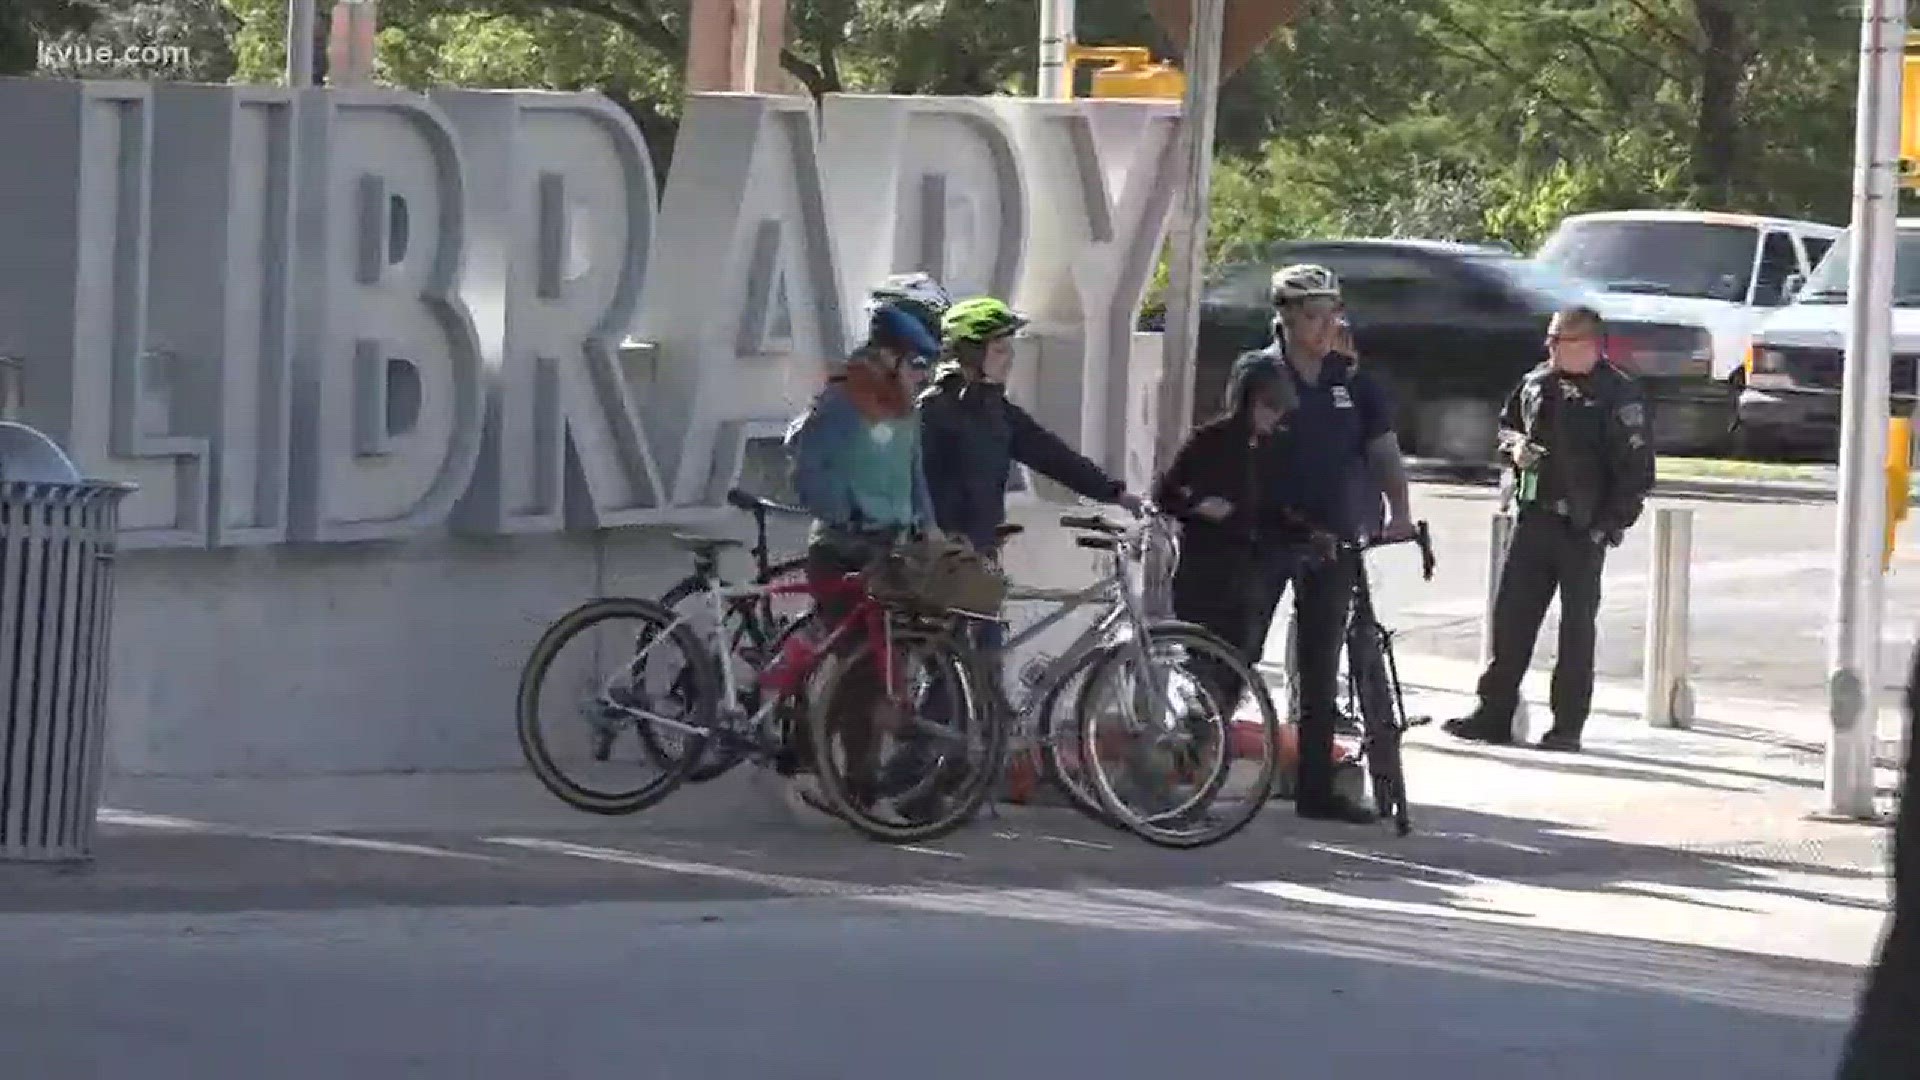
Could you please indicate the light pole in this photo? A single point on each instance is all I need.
(1187, 261)
(300, 42)
(1853, 686)
(1056, 43)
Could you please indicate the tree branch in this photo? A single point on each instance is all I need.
(649, 28)
(1488, 55)
(812, 77)
(1660, 23)
(1622, 100)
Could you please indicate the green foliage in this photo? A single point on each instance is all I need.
(25, 24)
(153, 40)
(1464, 119)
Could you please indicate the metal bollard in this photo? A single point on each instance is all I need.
(1498, 542)
(1669, 694)
(13, 388)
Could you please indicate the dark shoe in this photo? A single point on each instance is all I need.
(1335, 808)
(1562, 741)
(1474, 729)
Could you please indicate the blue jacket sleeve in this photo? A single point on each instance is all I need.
(813, 443)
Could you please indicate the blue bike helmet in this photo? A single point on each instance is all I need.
(894, 328)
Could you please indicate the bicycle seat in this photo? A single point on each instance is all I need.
(754, 504)
(705, 545)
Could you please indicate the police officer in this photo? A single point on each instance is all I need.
(1338, 424)
(1575, 439)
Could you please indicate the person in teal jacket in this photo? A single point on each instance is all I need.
(858, 470)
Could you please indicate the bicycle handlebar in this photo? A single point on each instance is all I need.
(1422, 536)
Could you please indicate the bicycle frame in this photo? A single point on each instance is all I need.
(1114, 590)
(868, 615)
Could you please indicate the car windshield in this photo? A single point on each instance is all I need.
(1708, 260)
(1829, 281)
(1535, 276)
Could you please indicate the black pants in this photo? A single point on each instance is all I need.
(1546, 554)
(1236, 598)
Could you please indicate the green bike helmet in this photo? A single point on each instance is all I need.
(980, 320)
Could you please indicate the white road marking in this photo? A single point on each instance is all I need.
(931, 851)
(138, 820)
(390, 847)
(1071, 842)
(785, 882)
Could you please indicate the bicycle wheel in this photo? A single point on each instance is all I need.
(752, 626)
(1164, 751)
(662, 678)
(1371, 651)
(1061, 763)
(914, 764)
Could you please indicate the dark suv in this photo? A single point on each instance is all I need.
(1450, 328)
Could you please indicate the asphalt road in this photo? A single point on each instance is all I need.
(853, 988)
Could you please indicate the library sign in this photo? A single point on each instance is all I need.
(337, 315)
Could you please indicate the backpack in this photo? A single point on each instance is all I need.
(937, 577)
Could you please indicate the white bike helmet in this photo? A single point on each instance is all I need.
(917, 294)
(1303, 281)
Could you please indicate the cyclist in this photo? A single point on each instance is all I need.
(1341, 423)
(974, 434)
(858, 470)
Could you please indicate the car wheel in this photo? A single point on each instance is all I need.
(1461, 430)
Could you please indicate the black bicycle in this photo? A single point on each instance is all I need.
(1373, 682)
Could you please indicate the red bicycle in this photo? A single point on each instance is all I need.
(885, 706)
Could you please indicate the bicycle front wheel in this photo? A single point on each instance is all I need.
(621, 676)
(1165, 751)
(916, 760)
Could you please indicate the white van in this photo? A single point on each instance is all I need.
(1720, 273)
(1792, 394)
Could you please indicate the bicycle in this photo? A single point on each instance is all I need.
(1125, 650)
(791, 698)
(1379, 698)
(752, 621)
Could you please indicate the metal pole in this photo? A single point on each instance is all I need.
(750, 77)
(1853, 656)
(1056, 39)
(1498, 541)
(1669, 694)
(1496, 557)
(13, 388)
(1188, 261)
(300, 19)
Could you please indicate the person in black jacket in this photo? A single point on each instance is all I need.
(973, 434)
(1574, 435)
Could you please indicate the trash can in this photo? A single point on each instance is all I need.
(57, 540)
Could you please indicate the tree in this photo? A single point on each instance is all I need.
(25, 24)
(147, 39)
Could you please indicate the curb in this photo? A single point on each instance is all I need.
(1445, 472)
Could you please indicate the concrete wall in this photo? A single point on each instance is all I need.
(403, 377)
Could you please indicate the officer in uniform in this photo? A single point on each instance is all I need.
(1575, 437)
(1338, 424)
